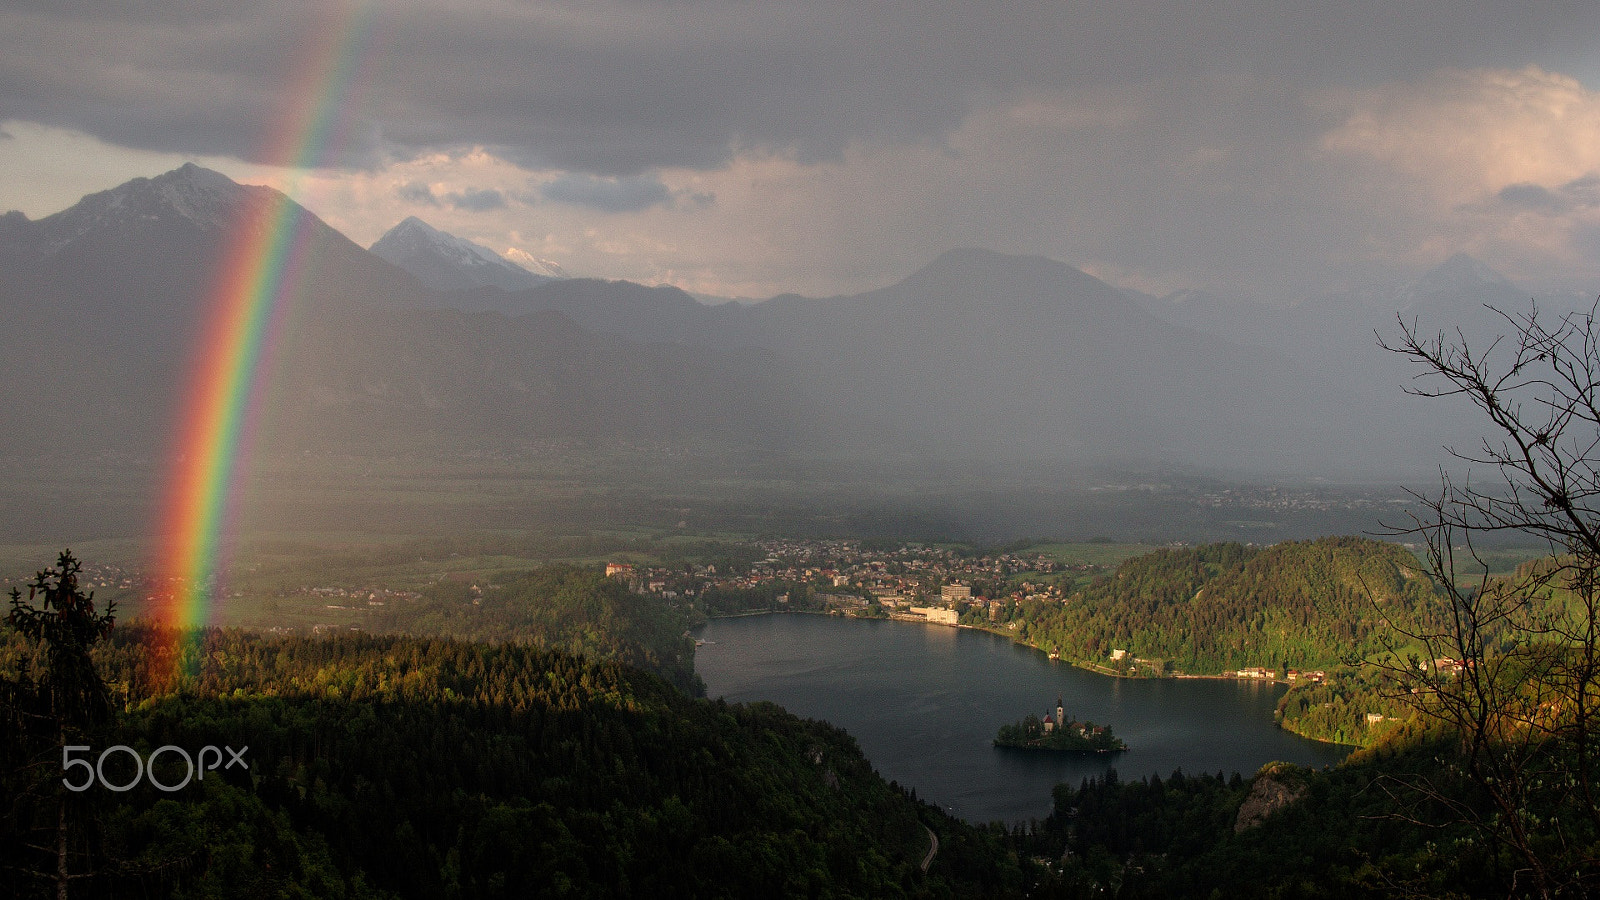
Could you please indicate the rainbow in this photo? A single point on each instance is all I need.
(256, 277)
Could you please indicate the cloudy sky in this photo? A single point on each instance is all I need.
(749, 147)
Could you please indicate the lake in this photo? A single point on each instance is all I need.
(925, 701)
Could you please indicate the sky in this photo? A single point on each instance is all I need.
(745, 148)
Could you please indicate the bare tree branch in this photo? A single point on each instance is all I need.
(1513, 674)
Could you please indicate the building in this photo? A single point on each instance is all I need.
(953, 592)
(1055, 719)
(936, 615)
(619, 570)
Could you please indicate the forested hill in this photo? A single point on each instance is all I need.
(401, 766)
(557, 607)
(1221, 607)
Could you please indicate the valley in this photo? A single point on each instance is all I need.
(484, 450)
(512, 527)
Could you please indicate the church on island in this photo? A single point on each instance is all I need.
(1051, 720)
(1057, 732)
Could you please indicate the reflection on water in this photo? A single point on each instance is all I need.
(925, 702)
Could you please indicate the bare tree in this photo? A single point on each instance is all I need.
(1512, 670)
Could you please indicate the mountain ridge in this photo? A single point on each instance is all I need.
(96, 339)
(977, 353)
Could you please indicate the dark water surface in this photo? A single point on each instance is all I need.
(924, 702)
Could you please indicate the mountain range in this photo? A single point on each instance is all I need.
(101, 307)
(430, 343)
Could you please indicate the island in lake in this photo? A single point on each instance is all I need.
(1057, 732)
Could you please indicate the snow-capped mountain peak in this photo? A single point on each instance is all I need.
(534, 264)
(190, 196)
(198, 194)
(445, 262)
(413, 233)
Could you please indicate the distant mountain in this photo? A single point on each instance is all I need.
(144, 254)
(534, 264)
(445, 262)
(189, 197)
(1338, 336)
(1339, 323)
(1459, 275)
(633, 311)
(984, 355)
(101, 306)
(1202, 310)
(979, 356)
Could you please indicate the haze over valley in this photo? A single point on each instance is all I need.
(982, 379)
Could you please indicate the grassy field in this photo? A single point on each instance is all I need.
(1092, 553)
(1499, 561)
(315, 525)
(331, 578)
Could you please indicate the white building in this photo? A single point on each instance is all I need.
(936, 615)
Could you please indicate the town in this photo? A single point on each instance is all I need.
(940, 585)
(994, 589)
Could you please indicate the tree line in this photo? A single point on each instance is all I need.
(1223, 607)
(387, 765)
(564, 607)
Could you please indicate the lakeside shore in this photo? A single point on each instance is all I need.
(1087, 666)
(999, 632)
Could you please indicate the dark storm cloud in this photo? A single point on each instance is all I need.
(470, 200)
(1586, 240)
(614, 195)
(1584, 191)
(623, 87)
(477, 200)
(1581, 193)
(1531, 196)
(422, 194)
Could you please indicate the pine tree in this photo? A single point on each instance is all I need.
(45, 713)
